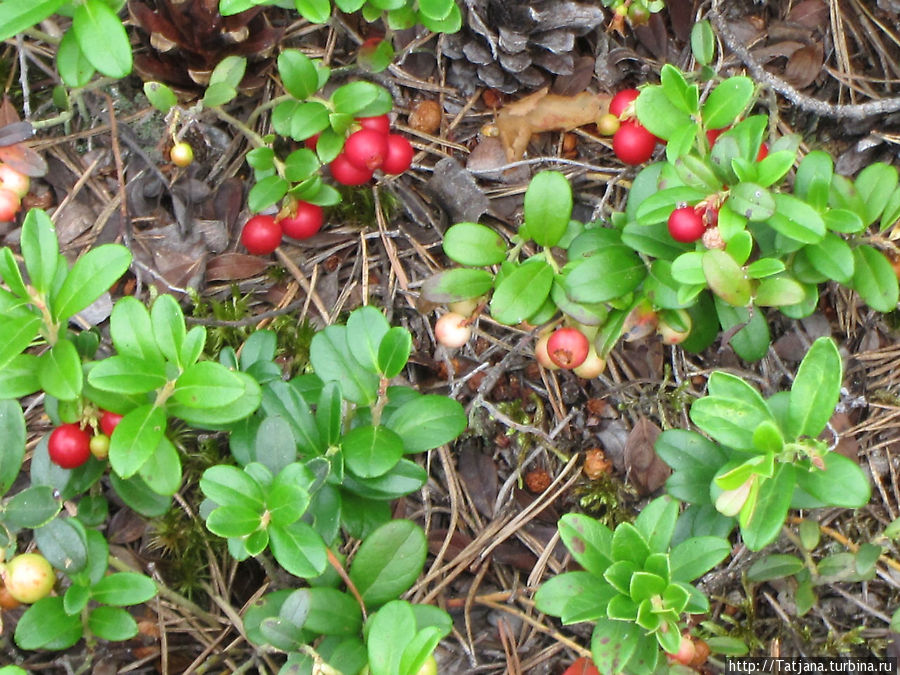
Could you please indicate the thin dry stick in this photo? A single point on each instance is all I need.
(856, 111)
(117, 155)
(534, 622)
(297, 273)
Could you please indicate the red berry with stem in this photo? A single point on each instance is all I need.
(69, 446)
(261, 235)
(686, 225)
(366, 149)
(346, 173)
(399, 155)
(304, 223)
(109, 421)
(622, 100)
(380, 124)
(9, 205)
(568, 347)
(632, 143)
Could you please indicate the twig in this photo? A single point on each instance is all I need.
(855, 111)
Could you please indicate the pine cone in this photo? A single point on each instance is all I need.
(187, 39)
(509, 46)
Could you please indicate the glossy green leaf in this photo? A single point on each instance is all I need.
(12, 442)
(474, 245)
(731, 415)
(95, 23)
(610, 273)
(73, 66)
(727, 101)
(135, 493)
(842, 483)
(589, 541)
(233, 521)
(371, 451)
(361, 99)
(299, 549)
(63, 543)
(136, 438)
(677, 90)
(694, 460)
(228, 485)
(17, 16)
(613, 643)
(456, 284)
(697, 173)
(703, 42)
(45, 625)
(297, 71)
(778, 292)
(774, 566)
(726, 278)
(694, 557)
(162, 470)
(874, 279)
(127, 375)
(31, 508)
(875, 184)
(332, 359)
(112, 623)
(40, 249)
(658, 114)
(751, 341)
(548, 208)
(314, 11)
(522, 292)
(389, 561)
(752, 201)
(160, 96)
(123, 588)
(299, 120)
(132, 332)
(265, 193)
(393, 351)
(774, 167)
(60, 372)
(816, 389)
(207, 385)
(796, 219)
(761, 522)
(366, 327)
(656, 522)
(814, 178)
(279, 398)
(427, 422)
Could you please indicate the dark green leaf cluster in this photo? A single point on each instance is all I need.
(439, 16)
(396, 637)
(764, 457)
(634, 586)
(96, 40)
(94, 602)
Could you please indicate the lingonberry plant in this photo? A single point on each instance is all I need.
(635, 586)
(765, 456)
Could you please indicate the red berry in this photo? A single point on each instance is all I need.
(311, 142)
(632, 143)
(261, 235)
(763, 152)
(69, 446)
(347, 174)
(29, 577)
(14, 181)
(686, 651)
(542, 355)
(381, 124)
(399, 155)
(9, 205)
(365, 149)
(304, 223)
(568, 347)
(109, 421)
(686, 225)
(621, 101)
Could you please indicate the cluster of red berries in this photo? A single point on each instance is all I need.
(371, 147)
(13, 187)
(70, 445)
(570, 349)
(262, 234)
(632, 143)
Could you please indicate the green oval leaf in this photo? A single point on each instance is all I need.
(726, 278)
(371, 451)
(658, 114)
(779, 292)
(123, 588)
(299, 549)
(45, 625)
(112, 623)
(297, 71)
(135, 439)
(474, 245)
(548, 207)
(160, 96)
(270, 190)
(428, 421)
(752, 201)
(207, 385)
(451, 286)
(522, 292)
(388, 561)
(727, 101)
(608, 274)
(774, 566)
(60, 373)
(74, 68)
(90, 277)
(393, 351)
(796, 219)
(95, 25)
(874, 279)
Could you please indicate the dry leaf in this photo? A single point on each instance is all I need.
(231, 266)
(542, 111)
(479, 473)
(646, 470)
(804, 65)
(809, 13)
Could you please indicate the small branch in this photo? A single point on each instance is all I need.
(255, 139)
(339, 568)
(856, 111)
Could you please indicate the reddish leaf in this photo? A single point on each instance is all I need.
(804, 65)
(232, 266)
(23, 159)
(479, 473)
(809, 13)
